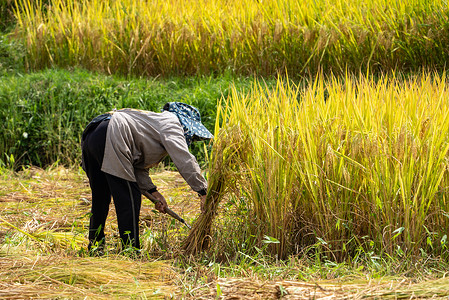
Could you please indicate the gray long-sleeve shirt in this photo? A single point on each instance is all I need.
(136, 140)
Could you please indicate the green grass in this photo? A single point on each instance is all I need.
(11, 55)
(7, 19)
(45, 112)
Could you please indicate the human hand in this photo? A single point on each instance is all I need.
(160, 204)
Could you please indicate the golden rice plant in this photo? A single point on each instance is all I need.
(196, 37)
(353, 164)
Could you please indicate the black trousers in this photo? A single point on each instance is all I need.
(126, 194)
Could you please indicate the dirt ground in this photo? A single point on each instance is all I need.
(44, 218)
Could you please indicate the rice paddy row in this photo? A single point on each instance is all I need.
(349, 170)
(150, 38)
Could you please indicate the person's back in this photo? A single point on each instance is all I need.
(117, 155)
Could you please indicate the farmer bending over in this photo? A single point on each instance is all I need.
(118, 149)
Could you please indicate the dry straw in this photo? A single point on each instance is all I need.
(43, 239)
(31, 275)
(376, 289)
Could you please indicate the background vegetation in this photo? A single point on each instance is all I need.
(45, 112)
(6, 14)
(185, 37)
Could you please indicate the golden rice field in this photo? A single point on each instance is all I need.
(153, 38)
(333, 184)
(347, 167)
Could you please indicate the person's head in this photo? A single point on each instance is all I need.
(190, 119)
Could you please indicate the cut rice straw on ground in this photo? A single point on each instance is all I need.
(220, 177)
(239, 288)
(56, 276)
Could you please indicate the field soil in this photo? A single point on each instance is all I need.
(44, 216)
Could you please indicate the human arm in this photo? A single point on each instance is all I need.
(173, 141)
(149, 190)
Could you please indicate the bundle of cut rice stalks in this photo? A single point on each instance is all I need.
(220, 177)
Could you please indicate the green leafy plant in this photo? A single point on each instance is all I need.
(45, 112)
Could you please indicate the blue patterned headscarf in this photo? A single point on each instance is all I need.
(190, 120)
